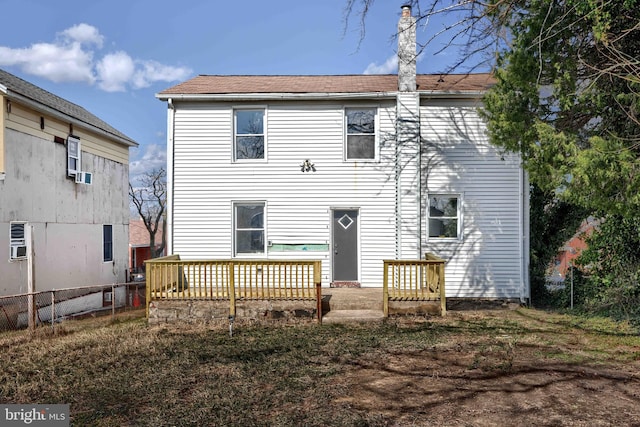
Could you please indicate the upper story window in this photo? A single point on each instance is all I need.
(360, 134)
(73, 156)
(249, 233)
(444, 216)
(249, 137)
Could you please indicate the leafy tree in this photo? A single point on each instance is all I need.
(553, 222)
(567, 99)
(150, 199)
(612, 259)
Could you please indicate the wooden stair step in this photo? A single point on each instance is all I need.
(353, 316)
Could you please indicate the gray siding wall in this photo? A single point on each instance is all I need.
(487, 261)
(67, 217)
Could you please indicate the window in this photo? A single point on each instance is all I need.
(444, 216)
(361, 133)
(249, 228)
(73, 156)
(249, 134)
(17, 241)
(107, 243)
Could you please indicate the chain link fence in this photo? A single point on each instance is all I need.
(51, 307)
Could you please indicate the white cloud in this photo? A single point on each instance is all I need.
(114, 71)
(154, 157)
(70, 58)
(58, 63)
(390, 66)
(83, 33)
(149, 72)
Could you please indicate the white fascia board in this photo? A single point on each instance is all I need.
(275, 96)
(313, 96)
(3, 89)
(460, 94)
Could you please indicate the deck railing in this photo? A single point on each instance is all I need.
(170, 278)
(414, 280)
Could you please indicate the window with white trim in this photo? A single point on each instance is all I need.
(444, 216)
(249, 135)
(73, 156)
(107, 243)
(249, 228)
(18, 247)
(360, 141)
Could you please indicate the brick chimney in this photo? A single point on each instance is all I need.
(407, 51)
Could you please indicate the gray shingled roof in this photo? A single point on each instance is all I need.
(344, 84)
(16, 85)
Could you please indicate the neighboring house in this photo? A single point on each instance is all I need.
(139, 245)
(571, 250)
(350, 170)
(64, 177)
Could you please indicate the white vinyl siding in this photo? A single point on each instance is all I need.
(457, 159)
(409, 181)
(206, 183)
(487, 260)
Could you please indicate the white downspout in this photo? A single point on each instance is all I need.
(170, 162)
(525, 295)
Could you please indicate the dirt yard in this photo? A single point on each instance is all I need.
(481, 365)
(533, 373)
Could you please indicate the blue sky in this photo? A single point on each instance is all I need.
(112, 57)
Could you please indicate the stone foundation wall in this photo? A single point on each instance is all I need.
(414, 307)
(218, 311)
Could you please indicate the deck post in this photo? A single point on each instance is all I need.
(232, 289)
(148, 272)
(317, 279)
(385, 289)
(443, 296)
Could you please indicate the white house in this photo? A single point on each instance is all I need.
(348, 169)
(64, 205)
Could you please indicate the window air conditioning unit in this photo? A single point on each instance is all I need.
(18, 252)
(84, 178)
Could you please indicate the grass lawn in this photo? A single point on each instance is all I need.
(482, 367)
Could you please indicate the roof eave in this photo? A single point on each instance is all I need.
(274, 96)
(65, 117)
(459, 94)
(309, 96)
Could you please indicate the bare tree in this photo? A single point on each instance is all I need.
(474, 30)
(150, 199)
